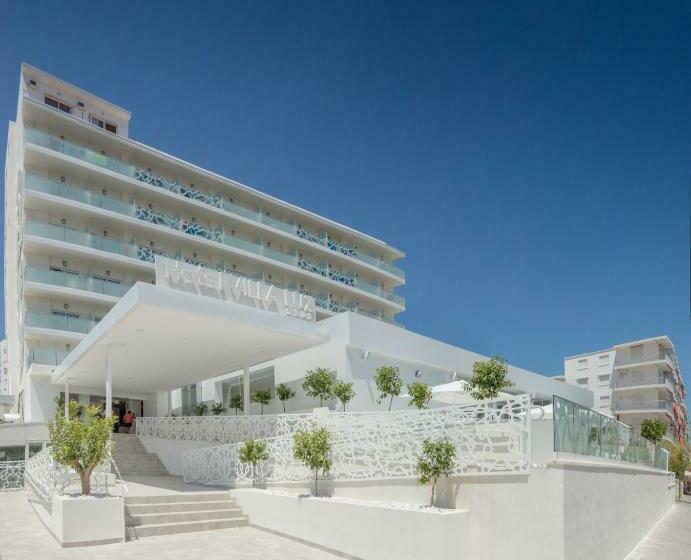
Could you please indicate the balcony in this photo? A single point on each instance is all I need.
(646, 358)
(646, 405)
(47, 356)
(192, 228)
(57, 144)
(59, 322)
(643, 381)
(76, 281)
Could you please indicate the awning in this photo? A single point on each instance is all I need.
(157, 339)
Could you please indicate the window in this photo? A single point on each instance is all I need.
(603, 360)
(56, 104)
(582, 380)
(604, 400)
(110, 127)
(583, 364)
(603, 380)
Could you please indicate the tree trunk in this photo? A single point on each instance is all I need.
(316, 478)
(254, 475)
(85, 476)
(433, 485)
(284, 407)
(321, 402)
(390, 403)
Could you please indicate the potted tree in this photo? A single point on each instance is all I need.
(490, 377)
(284, 393)
(653, 429)
(420, 394)
(437, 459)
(344, 393)
(218, 408)
(253, 452)
(388, 382)
(314, 450)
(201, 409)
(236, 403)
(262, 396)
(318, 384)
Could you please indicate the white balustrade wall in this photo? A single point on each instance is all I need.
(11, 474)
(490, 437)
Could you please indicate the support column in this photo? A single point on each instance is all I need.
(246, 390)
(109, 388)
(67, 400)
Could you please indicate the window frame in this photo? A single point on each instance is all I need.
(59, 103)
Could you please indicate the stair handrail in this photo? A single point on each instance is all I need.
(124, 490)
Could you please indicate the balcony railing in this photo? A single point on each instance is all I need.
(60, 145)
(643, 381)
(651, 405)
(644, 358)
(59, 322)
(157, 217)
(76, 281)
(47, 356)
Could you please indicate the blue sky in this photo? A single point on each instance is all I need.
(532, 161)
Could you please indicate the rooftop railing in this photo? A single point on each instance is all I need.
(66, 147)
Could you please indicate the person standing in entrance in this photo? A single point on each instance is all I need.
(127, 421)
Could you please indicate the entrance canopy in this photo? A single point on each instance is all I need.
(158, 339)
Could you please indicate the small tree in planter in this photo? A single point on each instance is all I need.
(437, 459)
(490, 377)
(284, 393)
(81, 443)
(236, 403)
(318, 384)
(262, 396)
(218, 408)
(201, 409)
(253, 452)
(420, 394)
(314, 450)
(388, 382)
(344, 392)
(653, 429)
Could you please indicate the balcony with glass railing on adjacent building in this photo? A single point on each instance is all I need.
(47, 356)
(631, 359)
(647, 405)
(60, 145)
(650, 379)
(192, 228)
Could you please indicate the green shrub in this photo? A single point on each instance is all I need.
(284, 393)
(236, 403)
(262, 396)
(388, 382)
(437, 459)
(420, 394)
(490, 377)
(314, 450)
(253, 452)
(344, 392)
(201, 409)
(318, 384)
(218, 408)
(653, 429)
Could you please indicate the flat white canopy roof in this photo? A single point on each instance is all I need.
(159, 339)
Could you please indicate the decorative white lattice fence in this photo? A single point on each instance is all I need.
(490, 437)
(11, 475)
(214, 429)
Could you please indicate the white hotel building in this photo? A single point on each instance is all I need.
(88, 210)
(634, 380)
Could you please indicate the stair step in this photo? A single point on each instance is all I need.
(180, 516)
(171, 507)
(185, 527)
(178, 498)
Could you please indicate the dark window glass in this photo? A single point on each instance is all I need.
(65, 108)
(52, 102)
(111, 128)
(97, 122)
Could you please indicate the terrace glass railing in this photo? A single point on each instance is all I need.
(47, 356)
(60, 145)
(59, 322)
(652, 405)
(76, 281)
(582, 431)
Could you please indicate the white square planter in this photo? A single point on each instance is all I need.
(363, 530)
(81, 521)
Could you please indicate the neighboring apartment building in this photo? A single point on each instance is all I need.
(635, 380)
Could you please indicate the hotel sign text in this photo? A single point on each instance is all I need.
(231, 287)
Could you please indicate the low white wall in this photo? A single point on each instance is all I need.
(370, 532)
(170, 452)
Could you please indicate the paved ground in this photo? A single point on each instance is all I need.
(22, 537)
(671, 539)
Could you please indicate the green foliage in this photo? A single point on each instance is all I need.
(437, 459)
(201, 409)
(388, 382)
(679, 462)
(490, 377)
(262, 396)
(236, 403)
(319, 384)
(81, 443)
(284, 393)
(653, 429)
(344, 392)
(218, 408)
(314, 450)
(420, 394)
(253, 451)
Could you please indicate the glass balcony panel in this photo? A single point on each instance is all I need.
(58, 322)
(47, 356)
(244, 245)
(241, 211)
(61, 233)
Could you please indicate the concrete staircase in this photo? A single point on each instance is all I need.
(133, 459)
(147, 516)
